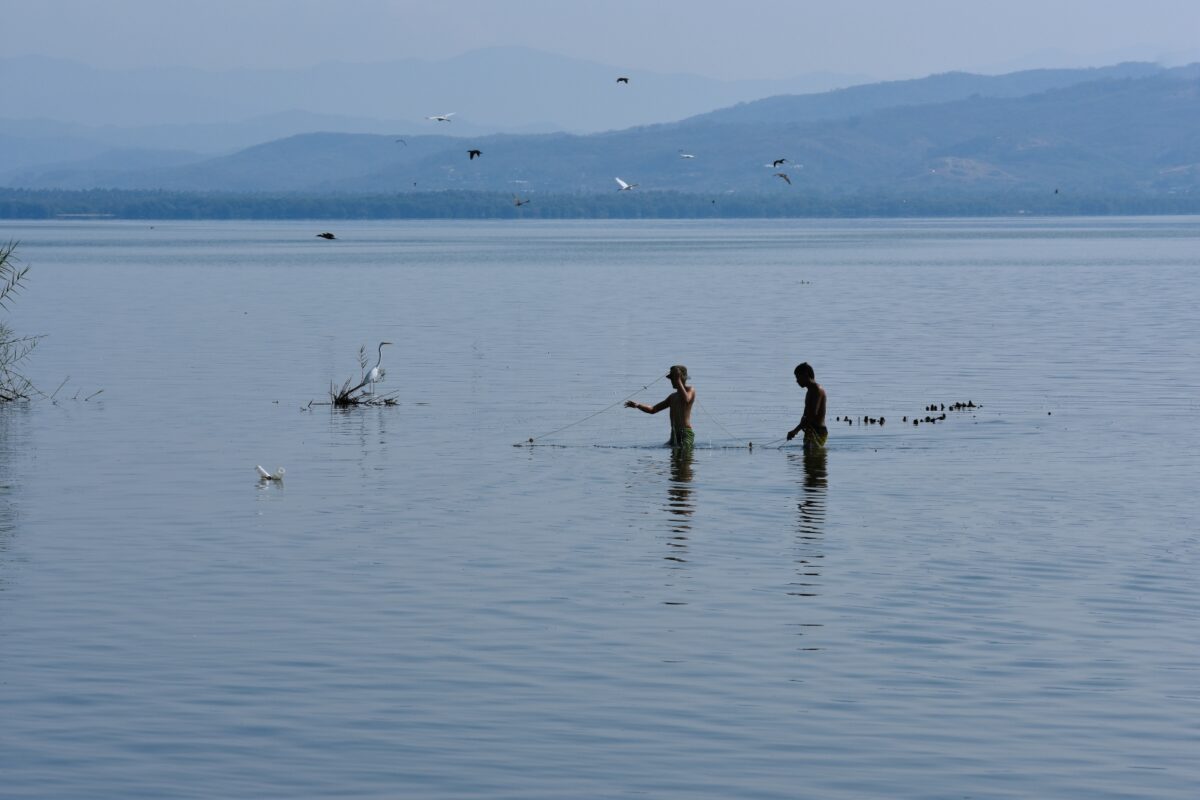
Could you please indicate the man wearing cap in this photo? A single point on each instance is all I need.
(680, 403)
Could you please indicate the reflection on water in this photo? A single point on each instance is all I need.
(680, 505)
(679, 490)
(810, 518)
(10, 450)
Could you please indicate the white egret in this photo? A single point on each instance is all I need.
(685, 155)
(442, 117)
(376, 374)
(625, 187)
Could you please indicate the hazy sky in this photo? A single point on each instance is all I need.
(718, 38)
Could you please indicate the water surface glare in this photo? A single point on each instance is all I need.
(1003, 604)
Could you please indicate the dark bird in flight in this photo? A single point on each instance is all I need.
(518, 202)
(777, 162)
(622, 80)
(401, 141)
(784, 175)
(473, 153)
(326, 235)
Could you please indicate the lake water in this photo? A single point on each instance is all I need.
(1004, 604)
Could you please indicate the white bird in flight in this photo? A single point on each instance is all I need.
(625, 187)
(267, 476)
(685, 155)
(442, 117)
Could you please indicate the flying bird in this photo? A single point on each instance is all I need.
(777, 162)
(401, 141)
(473, 153)
(623, 80)
(685, 155)
(784, 175)
(442, 117)
(625, 187)
(263, 475)
(326, 235)
(518, 201)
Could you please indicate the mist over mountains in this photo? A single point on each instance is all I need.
(1122, 129)
(493, 90)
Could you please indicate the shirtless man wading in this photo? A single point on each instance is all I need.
(680, 403)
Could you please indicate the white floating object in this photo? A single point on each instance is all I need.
(267, 476)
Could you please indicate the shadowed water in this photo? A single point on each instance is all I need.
(1000, 605)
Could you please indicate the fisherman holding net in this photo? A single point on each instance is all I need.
(813, 420)
(680, 403)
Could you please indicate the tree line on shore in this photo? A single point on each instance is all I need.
(151, 204)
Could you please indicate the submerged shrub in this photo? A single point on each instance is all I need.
(14, 349)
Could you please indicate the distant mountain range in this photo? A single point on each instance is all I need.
(1123, 129)
(84, 110)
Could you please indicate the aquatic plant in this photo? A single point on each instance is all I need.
(14, 349)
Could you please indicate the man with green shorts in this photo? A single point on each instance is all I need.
(680, 404)
(813, 420)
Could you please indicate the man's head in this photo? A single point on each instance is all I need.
(805, 375)
(677, 374)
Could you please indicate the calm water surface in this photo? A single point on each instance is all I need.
(1002, 605)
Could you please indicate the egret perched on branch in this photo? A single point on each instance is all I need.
(376, 374)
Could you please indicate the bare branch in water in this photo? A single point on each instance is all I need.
(13, 349)
(11, 276)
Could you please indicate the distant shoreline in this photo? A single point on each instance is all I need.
(48, 204)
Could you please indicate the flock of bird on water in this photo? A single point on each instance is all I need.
(622, 186)
(928, 418)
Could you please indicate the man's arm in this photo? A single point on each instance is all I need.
(649, 409)
(810, 412)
